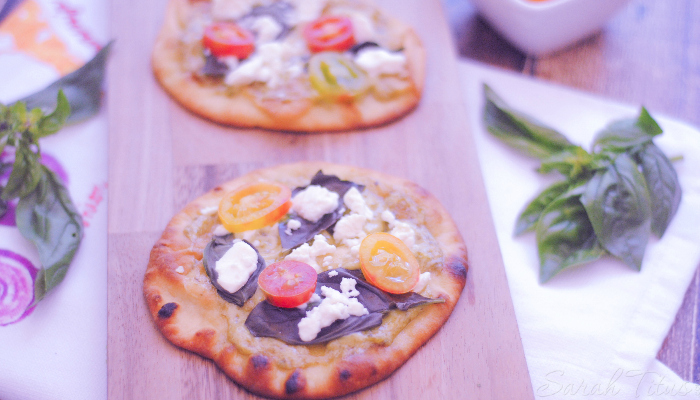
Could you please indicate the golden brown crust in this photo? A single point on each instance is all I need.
(189, 313)
(210, 101)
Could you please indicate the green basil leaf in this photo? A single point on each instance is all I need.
(26, 173)
(520, 131)
(48, 218)
(83, 89)
(565, 236)
(619, 208)
(50, 124)
(664, 188)
(571, 162)
(623, 134)
(213, 252)
(531, 214)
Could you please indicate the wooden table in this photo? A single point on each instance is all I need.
(649, 54)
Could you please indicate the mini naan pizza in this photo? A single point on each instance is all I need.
(293, 65)
(307, 280)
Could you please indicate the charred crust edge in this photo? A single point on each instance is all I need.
(345, 374)
(457, 268)
(167, 310)
(259, 362)
(295, 382)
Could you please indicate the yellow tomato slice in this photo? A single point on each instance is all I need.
(254, 206)
(388, 263)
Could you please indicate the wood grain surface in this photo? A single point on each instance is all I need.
(649, 54)
(161, 157)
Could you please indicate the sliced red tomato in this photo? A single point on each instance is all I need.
(288, 283)
(254, 206)
(329, 33)
(388, 263)
(226, 38)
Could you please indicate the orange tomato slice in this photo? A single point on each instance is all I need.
(388, 263)
(288, 283)
(254, 206)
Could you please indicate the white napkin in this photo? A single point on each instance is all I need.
(59, 351)
(594, 330)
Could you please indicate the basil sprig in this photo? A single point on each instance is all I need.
(609, 201)
(45, 213)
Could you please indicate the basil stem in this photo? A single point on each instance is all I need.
(48, 218)
(519, 131)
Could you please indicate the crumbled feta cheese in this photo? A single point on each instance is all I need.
(332, 273)
(422, 282)
(180, 269)
(376, 62)
(327, 260)
(314, 202)
(266, 28)
(308, 254)
(356, 203)
(209, 210)
(362, 26)
(292, 225)
(400, 229)
(350, 226)
(220, 231)
(347, 287)
(334, 306)
(236, 266)
(272, 63)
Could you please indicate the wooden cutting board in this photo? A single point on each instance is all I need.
(161, 157)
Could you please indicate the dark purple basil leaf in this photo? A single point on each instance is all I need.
(267, 320)
(214, 67)
(309, 229)
(213, 252)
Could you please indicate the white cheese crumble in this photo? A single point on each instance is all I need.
(354, 200)
(209, 210)
(180, 269)
(376, 62)
(266, 29)
(314, 202)
(220, 231)
(314, 299)
(332, 273)
(350, 226)
(292, 225)
(236, 266)
(308, 254)
(272, 63)
(422, 282)
(362, 26)
(400, 229)
(334, 306)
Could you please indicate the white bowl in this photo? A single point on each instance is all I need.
(546, 26)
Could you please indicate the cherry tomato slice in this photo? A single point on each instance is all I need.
(228, 39)
(329, 33)
(288, 283)
(254, 206)
(388, 263)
